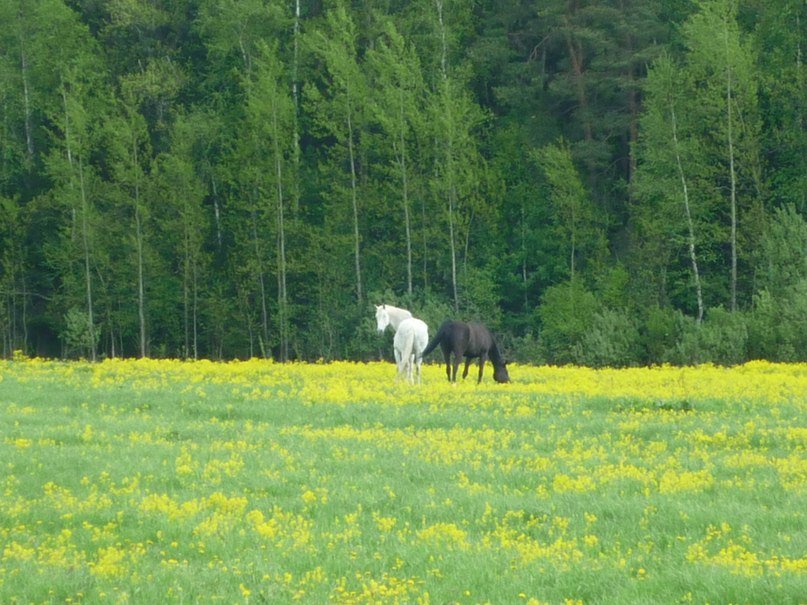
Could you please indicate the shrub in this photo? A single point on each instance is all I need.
(524, 349)
(77, 335)
(612, 341)
(722, 338)
(567, 313)
(661, 332)
(777, 326)
(764, 333)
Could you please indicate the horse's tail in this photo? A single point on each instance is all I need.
(406, 349)
(438, 338)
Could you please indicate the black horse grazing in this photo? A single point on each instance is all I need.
(469, 341)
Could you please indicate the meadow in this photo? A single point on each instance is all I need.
(253, 482)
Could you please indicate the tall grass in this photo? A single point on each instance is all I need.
(253, 482)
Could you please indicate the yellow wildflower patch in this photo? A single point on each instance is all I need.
(253, 481)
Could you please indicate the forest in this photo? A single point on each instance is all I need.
(605, 183)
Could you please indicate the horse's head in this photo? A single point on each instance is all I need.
(381, 318)
(500, 373)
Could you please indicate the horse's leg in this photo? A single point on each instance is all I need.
(482, 359)
(458, 355)
(447, 358)
(467, 365)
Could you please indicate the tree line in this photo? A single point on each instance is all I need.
(607, 182)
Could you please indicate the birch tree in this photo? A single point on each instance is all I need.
(74, 177)
(455, 119)
(780, 43)
(182, 192)
(271, 119)
(13, 289)
(339, 111)
(575, 219)
(668, 175)
(722, 69)
(234, 32)
(132, 156)
(398, 103)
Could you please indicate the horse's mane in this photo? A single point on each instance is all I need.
(495, 355)
(394, 308)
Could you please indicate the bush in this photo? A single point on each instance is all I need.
(661, 332)
(612, 341)
(567, 313)
(794, 323)
(527, 349)
(722, 338)
(764, 333)
(77, 335)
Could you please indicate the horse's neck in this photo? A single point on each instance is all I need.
(396, 316)
(495, 355)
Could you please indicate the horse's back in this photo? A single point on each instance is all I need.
(480, 338)
(415, 327)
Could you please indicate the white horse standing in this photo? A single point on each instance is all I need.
(386, 315)
(411, 337)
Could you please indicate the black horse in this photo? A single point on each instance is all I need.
(469, 341)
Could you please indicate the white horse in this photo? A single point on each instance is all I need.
(386, 315)
(411, 338)
(408, 344)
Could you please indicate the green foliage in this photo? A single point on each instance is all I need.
(568, 312)
(79, 337)
(722, 339)
(481, 297)
(777, 326)
(575, 217)
(784, 250)
(660, 332)
(611, 341)
(225, 179)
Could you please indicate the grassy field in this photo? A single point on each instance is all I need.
(253, 482)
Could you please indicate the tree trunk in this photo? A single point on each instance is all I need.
(186, 277)
(452, 194)
(216, 210)
(29, 139)
(401, 156)
(449, 151)
(85, 239)
(295, 194)
(690, 226)
(195, 312)
(354, 198)
(87, 274)
(261, 286)
(282, 298)
(141, 289)
(733, 177)
(573, 237)
(523, 238)
(576, 57)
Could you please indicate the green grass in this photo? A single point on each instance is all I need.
(185, 483)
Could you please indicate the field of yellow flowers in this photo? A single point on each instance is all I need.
(254, 482)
